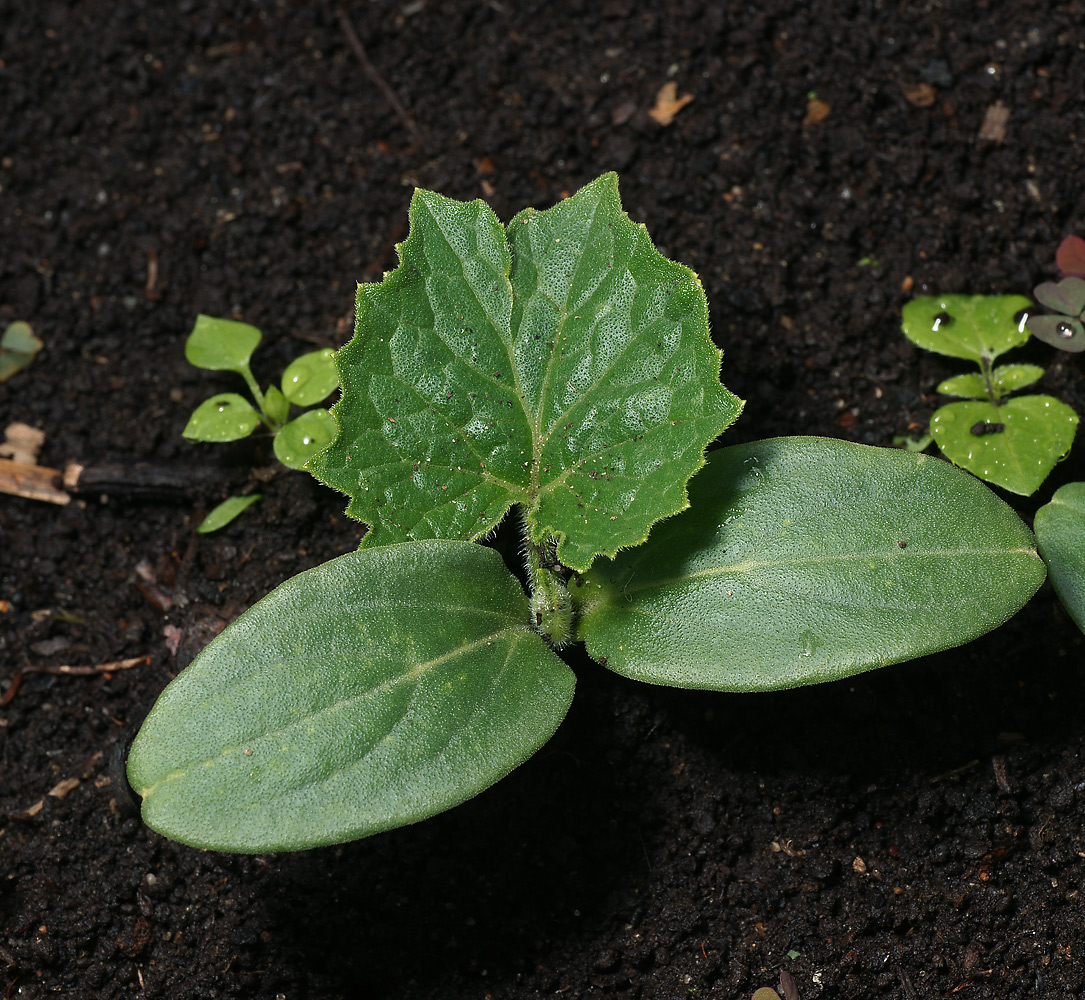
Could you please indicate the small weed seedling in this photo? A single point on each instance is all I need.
(559, 364)
(18, 347)
(1064, 328)
(1013, 442)
(225, 345)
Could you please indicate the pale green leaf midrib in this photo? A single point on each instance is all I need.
(385, 686)
(432, 755)
(535, 422)
(503, 332)
(751, 566)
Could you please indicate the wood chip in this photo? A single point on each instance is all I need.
(35, 482)
(668, 103)
(59, 790)
(993, 128)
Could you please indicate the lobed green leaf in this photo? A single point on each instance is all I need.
(1014, 445)
(224, 417)
(370, 692)
(966, 326)
(221, 344)
(1060, 532)
(564, 365)
(804, 560)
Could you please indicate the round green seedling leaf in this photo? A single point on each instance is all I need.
(276, 406)
(221, 344)
(966, 326)
(225, 417)
(303, 437)
(1067, 333)
(226, 511)
(370, 692)
(1060, 531)
(803, 560)
(1013, 445)
(563, 364)
(311, 378)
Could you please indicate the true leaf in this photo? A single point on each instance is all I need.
(1064, 332)
(1060, 531)
(303, 437)
(221, 515)
(1013, 445)
(966, 326)
(370, 692)
(563, 364)
(276, 405)
(970, 386)
(221, 344)
(18, 347)
(310, 378)
(1010, 378)
(224, 417)
(806, 559)
(1006, 379)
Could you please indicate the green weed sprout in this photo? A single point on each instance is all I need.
(560, 365)
(225, 345)
(1013, 442)
(18, 347)
(1064, 328)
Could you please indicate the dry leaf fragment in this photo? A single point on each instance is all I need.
(922, 95)
(816, 112)
(62, 788)
(22, 443)
(994, 123)
(668, 103)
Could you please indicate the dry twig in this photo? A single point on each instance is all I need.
(371, 71)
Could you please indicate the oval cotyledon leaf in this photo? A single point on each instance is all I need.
(563, 364)
(370, 692)
(803, 560)
(1060, 530)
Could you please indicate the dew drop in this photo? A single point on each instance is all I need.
(1064, 330)
(942, 319)
(306, 440)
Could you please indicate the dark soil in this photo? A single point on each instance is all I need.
(916, 832)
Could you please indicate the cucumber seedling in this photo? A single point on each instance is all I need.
(559, 364)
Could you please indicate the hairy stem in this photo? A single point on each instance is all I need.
(551, 605)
